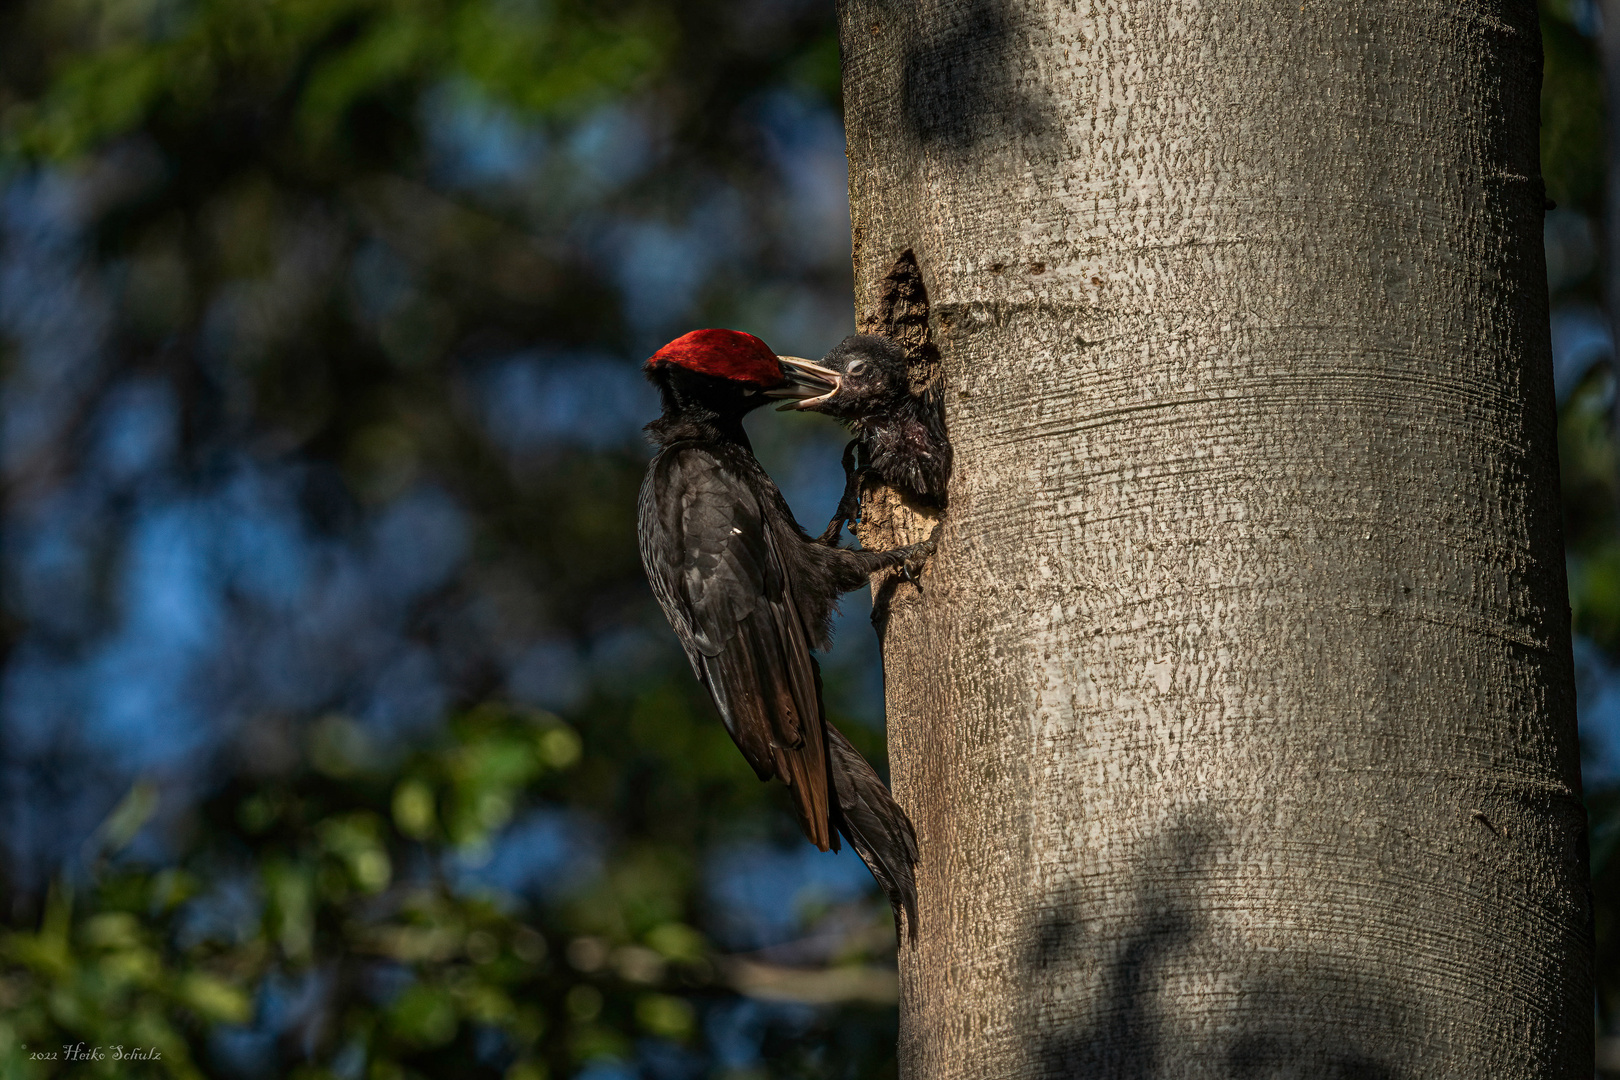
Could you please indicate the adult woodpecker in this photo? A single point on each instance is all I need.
(750, 595)
(899, 435)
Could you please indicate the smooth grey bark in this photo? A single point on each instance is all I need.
(1235, 713)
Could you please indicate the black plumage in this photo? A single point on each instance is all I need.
(750, 595)
(899, 435)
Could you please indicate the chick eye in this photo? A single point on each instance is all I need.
(855, 368)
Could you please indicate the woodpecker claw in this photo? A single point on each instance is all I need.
(920, 553)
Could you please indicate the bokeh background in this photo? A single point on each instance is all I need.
(339, 733)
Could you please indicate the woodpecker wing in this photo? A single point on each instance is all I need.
(711, 550)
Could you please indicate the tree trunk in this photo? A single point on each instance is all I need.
(1236, 712)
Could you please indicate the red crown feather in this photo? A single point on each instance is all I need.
(724, 354)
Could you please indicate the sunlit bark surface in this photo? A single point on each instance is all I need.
(1235, 713)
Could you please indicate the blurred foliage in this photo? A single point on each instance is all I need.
(341, 891)
(1590, 462)
(318, 235)
(347, 868)
(1572, 137)
(114, 66)
(1573, 147)
(338, 883)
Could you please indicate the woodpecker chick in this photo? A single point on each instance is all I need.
(750, 595)
(899, 435)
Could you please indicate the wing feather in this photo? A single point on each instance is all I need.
(713, 558)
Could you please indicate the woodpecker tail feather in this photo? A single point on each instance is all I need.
(876, 827)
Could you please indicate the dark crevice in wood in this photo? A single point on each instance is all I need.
(899, 310)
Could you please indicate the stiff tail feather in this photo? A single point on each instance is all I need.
(876, 827)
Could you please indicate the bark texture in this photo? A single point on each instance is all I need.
(1235, 713)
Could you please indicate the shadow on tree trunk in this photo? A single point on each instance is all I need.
(1296, 1016)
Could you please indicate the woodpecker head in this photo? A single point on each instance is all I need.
(868, 376)
(731, 373)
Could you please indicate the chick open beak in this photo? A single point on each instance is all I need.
(810, 384)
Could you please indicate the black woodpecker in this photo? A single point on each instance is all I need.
(899, 435)
(750, 594)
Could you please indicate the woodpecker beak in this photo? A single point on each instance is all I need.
(810, 385)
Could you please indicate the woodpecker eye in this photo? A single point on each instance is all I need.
(856, 367)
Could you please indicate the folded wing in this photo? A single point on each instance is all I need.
(716, 569)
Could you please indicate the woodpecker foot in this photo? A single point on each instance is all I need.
(917, 555)
(849, 503)
(850, 508)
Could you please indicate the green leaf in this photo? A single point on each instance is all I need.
(413, 807)
(677, 941)
(662, 1014)
(424, 1015)
(214, 999)
(111, 930)
(559, 747)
